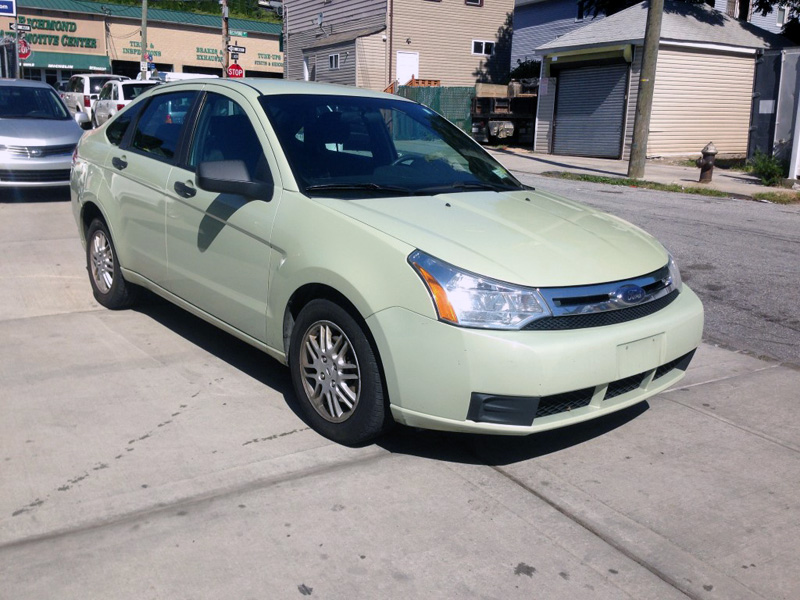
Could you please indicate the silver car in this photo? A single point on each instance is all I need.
(37, 135)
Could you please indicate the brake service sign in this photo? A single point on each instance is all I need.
(8, 8)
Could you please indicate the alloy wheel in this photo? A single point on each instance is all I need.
(330, 372)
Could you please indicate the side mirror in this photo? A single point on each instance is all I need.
(231, 177)
(82, 119)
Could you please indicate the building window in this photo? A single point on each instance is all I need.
(481, 47)
(783, 15)
(333, 62)
(473, 2)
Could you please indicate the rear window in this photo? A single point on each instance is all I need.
(133, 90)
(97, 83)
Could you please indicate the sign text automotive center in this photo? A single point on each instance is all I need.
(77, 37)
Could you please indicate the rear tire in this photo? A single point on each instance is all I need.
(336, 375)
(109, 287)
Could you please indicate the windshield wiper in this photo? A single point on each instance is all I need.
(358, 187)
(460, 186)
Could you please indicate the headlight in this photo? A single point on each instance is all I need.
(469, 300)
(674, 275)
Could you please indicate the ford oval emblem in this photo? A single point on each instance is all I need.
(629, 294)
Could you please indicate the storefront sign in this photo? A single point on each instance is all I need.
(269, 60)
(60, 38)
(135, 48)
(208, 54)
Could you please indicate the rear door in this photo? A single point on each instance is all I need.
(140, 170)
(219, 244)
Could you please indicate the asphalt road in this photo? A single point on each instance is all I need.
(740, 256)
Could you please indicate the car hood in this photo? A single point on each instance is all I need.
(526, 237)
(39, 132)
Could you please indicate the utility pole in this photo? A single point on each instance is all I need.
(226, 57)
(143, 64)
(647, 80)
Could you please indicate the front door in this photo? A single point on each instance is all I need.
(407, 66)
(218, 244)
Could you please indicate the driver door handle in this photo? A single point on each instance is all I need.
(184, 190)
(119, 163)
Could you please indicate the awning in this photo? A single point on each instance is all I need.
(66, 60)
(346, 36)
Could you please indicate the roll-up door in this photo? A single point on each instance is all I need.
(590, 111)
(700, 98)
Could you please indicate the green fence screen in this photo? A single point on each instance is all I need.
(454, 103)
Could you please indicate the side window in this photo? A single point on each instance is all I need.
(105, 93)
(224, 132)
(117, 128)
(75, 85)
(159, 128)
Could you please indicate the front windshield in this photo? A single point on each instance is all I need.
(349, 146)
(18, 102)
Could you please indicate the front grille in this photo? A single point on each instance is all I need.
(681, 363)
(524, 410)
(601, 319)
(20, 176)
(558, 403)
(623, 386)
(39, 151)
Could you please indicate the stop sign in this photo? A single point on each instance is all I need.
(235, 71)
(24, 49)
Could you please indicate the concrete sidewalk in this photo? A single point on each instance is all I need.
(659, 171)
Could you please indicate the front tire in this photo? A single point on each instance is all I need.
(336, 374)
(109, 287)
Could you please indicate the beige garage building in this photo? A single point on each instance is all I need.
(703, 86)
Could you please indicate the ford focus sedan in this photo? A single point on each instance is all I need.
(398, 270)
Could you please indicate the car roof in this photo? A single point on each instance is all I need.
(24, 83)
(269, 86)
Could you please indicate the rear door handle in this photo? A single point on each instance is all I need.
(184, 190)
(119, 163)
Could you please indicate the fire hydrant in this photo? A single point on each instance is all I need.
(706, 164)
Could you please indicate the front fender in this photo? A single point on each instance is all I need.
(365, 265)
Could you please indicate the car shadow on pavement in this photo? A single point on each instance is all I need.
(435, 445)
(495, 450)
(227, 348)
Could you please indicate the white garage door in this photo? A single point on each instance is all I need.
(700, 98)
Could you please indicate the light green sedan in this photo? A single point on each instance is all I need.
(400, 271)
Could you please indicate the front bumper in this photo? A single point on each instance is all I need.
(434, 371)
(35, 172)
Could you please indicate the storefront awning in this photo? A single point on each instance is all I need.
(66, 60)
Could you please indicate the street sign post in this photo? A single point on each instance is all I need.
(237, 49)
(235, 71)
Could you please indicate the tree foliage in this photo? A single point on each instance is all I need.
(243, 9)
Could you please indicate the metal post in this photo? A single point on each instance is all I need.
(225, 39)
(17, 61)
(647, 80)
(143, 63)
